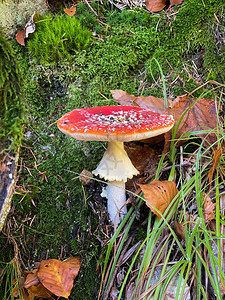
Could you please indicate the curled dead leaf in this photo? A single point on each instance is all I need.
(29, 28)
(31, 279)
(209, 207)
(216, 158)
(85, 177)
(70, 11)
(158, 195)
(180, 230)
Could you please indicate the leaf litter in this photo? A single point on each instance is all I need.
(197, 118)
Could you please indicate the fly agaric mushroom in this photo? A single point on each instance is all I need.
(116, 125)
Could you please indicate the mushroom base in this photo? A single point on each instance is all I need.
(116, 196)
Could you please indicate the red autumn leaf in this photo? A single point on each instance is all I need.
(159, 194)
(155, 5)
(201, 116)
(70, 11)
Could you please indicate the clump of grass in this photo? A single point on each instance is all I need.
(56, 37)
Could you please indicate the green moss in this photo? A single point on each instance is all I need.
(57, 36)
(11, 104)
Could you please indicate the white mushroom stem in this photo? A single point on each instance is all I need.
(116, 167)
(116, 196)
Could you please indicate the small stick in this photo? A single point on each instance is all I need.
(91, 8)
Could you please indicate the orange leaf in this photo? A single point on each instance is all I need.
(155, 5)
(208, 209)
(159, 194)
(201, 116)
(75, 262)
(216, 157)
(70, 11)
(57, 276)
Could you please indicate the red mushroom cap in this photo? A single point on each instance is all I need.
(114, 123)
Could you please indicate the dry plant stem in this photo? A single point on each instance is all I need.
(117, 266)
(91, 8)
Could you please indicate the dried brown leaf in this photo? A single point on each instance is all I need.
(38, 292)
(174, 2)
(150, 102)
(20, 37)
(155, 5)
(143, 158)
(29, 28)
(201, 116)
(180, 230)
(159, 194)
(216, 158)
(208, 209)
(85, 177)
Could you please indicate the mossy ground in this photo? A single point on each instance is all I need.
(51, 210)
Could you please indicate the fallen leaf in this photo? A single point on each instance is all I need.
(155, 5)
(201, 116)
(143, 158)
(174, 2)
(75, 262)
(70, 11)
(159, 194)
(150, 102)
(38, 291)
(20, 37)
(31, 279)
(216, 158)
(123, 98)
(180, 230)
(208, 212)
(29, 28)
(58, 276)
(85, 177)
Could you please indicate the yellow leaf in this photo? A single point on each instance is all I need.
(159, 194)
